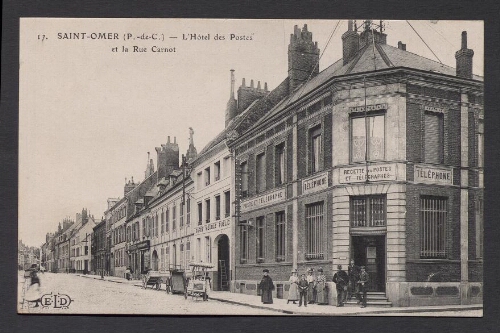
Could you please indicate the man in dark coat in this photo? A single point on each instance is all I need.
(353, 272)
(363, 286)
(303, 285)
(266, 286)
(341, 280)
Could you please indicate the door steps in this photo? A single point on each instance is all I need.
(373, 299)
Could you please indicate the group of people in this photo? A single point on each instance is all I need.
(312, 289)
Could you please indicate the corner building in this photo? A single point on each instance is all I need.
(377, 158)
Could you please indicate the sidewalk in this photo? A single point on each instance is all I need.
(280, 306)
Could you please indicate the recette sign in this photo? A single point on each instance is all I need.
(377, 172)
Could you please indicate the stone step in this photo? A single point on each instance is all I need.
(372, 303)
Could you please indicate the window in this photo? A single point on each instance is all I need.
(208, 250)
(280, 164)
(199, 180)
(162, 259)
(368, 211)
(181, 214)
(433, 214)
(433, 141)
(188, 253)
(143, 227)
(167, 219)
(374, 126)
(260, 226)
(162, 216)
(226, 167)
(200, 213)
(260, 173)
(217, 170)
(217, 207)
(244, 243)
(280, 236)
(207, 176)
(244, 179)
(207, 210)
(227, 204)
(188, 211)
(198, 249)
(174, 216)
(480, 144)
(314, 231)
(167, 257)
(479, 228)
(182, 256)
(315, 158)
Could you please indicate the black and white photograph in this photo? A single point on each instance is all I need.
(251, 167)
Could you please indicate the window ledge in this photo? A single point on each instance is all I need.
(312, 256)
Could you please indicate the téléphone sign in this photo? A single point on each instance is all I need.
(433, 175)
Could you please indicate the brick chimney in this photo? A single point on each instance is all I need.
(350, 43)
(167, 158)
(464, 59)
(370, 35)
(303, 57)
(247, 95)
(232, 106)
(401, 46)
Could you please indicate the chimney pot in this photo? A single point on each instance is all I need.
(265, 86)
(168, 139)
(464, 40)
(243, 82)
(251, 83)
(258, 85)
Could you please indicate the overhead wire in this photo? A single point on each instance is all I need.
(424, 42)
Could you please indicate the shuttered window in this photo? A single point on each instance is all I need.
(260, 245)
(280, 236)
(314, 231)
(243, 243)
(244, 180)
(433, 214)
(433, 142)
(280, 164)
(260, 173)
(315, 149)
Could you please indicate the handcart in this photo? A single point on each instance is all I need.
(177, 280)
(155, 279)
(198, 281)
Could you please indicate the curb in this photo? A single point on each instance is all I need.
(391, 310)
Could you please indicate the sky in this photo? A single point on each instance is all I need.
(88, 115)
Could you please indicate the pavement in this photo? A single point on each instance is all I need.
(280, 306)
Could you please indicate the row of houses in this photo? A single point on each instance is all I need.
(377, 159)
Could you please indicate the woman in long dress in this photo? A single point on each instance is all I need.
(321, 291)
(266, 285)
(33, 294)
(293, 292)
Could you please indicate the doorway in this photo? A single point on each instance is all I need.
(223, 263)
(369, 251)
(155, 261)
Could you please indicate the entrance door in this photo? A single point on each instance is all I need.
(369, 251)
(223, 263)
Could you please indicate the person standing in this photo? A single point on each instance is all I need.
(363, 285)
(303, 286)
(266, 286)
(33, 294)
(311, 290)
(293, 292)
(321, 288)
(340, 278)
(353, 272)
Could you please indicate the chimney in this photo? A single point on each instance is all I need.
(350, 43)
(464, 59)
(247, 95)
(401, 46)
(370, 35)
(303, 57)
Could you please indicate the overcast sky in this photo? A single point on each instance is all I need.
(88, 115)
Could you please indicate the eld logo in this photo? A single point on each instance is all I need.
(57, 301)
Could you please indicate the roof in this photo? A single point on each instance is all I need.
(368, 59)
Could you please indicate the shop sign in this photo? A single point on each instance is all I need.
(376, 172)
(372, 107)
(433, 109)
(214, 226)
(263, 200)
(316, 183)
(139, 246)
(433, 175)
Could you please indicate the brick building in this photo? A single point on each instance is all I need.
(377, 158)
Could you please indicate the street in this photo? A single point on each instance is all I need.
(90, 296)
